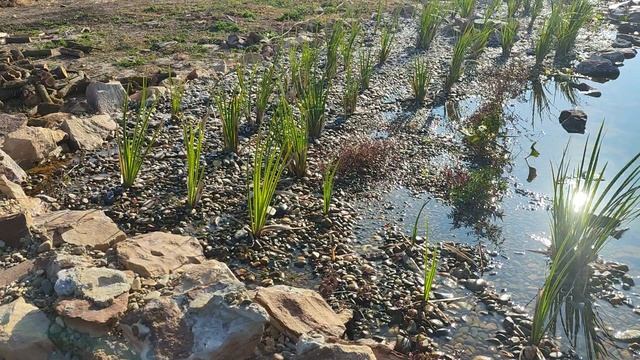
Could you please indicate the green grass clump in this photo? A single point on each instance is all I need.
(573, 19)
(193, 136)
(313, 102)
(264, 91)
(365, 67)
(350, 95)
(386, 40)
(176, 92)
(512, 8)
(585, 212)
(460, 51)
(303, 68)
(536, 9)
(230, 111)
(465, 8)
(294, 137)
(328, 178)
(333, 45)
(347, 47)
(428, 23)
(508, 35)
(480, 40)
(419, 80)
(544, 45)
(224, 26)
(269, 162)
(133, 146)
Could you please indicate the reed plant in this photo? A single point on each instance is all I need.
(465, 8)
(544, 45)
(512, 8)
(328, 179)
(269, 162)
(176, 93)
(578, 13)
(333, 46)
(419, 80)
(244, 89)
(508, 35)
(131, 137)
(428, 23)
(230, 110)
(264, 92)
(313, 101)
(379, 9)
(536, 9)
(481, 39)
(303, 68)
(386, 40)
(294, 137)
(460, 51)
(365, 67)
(585, 213)
(350, 95)
(347, 47)
(193, 137)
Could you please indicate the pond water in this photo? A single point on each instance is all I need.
(524, 221)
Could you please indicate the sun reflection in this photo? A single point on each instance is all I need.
(579, 200)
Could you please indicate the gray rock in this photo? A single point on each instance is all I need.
(598, 66)
(23, 332)
(106, 98)
(100, 285)
(11, 122)
(573, 121)
(613, 56)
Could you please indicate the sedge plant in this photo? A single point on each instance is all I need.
(133, 146)
(460, 51)
(544, 45)
(176, 92)
(365, 67)
(428, 23)
(512, 8)
(419, 80)
(193, 137)
(294, 137)
(230, 110)
(573, 19)
(586, 211)
(328, 178)
(386, 40)
(350, 95)
(269, 162)
(465, 8)
(264, 92)
(333, 46)
(313, 102)
(536, 9)
(348, 46)
(508, 36)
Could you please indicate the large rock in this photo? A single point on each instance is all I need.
(573, 121)
(23, 332)
(88, 228)
(13, 228)
(87, 315)
(300, 311)
(16, 273)
(99, 285)
(599, 67)
(159, 253)
(88, 133)
(28, 146)
(315, 347)
(613, 56)
(11, 122)
(209, 317)
(11, 169)
(106, 98)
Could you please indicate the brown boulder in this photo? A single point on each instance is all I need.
(23, 332)
(159, 253)
(86, 311)
(297, 311)
(16, 273)
(28, 146)
(11, 122)
(10, 168)
(14, 228)
(89, 228)
(313, 346)
(89, 133)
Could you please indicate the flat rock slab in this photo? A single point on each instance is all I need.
(16, 273)
(28, 145)
(158, 253)
(99, 285)
(209, 273)
(11, 122)
(10, 168)
(89, 228)
(301, 311)
(88, 133)
(23, 332)
(84, 310)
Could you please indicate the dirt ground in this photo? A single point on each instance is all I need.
(144, 35)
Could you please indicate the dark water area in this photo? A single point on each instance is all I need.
(523, 221)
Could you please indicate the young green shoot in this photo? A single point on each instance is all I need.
(347, 47)
(333, 45)
(313, 101)
(295, 137)
(264, 91)
(545, 40)
(176, 92)
(350, 95)
(536, 9)
(230, 110)
(419, 80)
(508, 36)
(460, 50)
(328, 178)
(386, 40)
(133, 146)
(365, 66)
(430, 19)
(574, 18)
(193, 137)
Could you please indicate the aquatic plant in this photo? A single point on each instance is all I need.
(264, 91)
(386, 40)
(176, 93)
(479, 189)
(480, 40)
(269, 162)
(460, 50)
(536, 9)
(313, 101)
(419, 80)
(333, 45)
(347, 47)
(465, 8)
(193, 137)
(573, 19)
(544, 45)
(526, 7)
(430, 19)
(414, 231)
(133, 146)
(508, 35)
(350, 95)
(365, 67)
(585, 213)
(430, 266)
(328, 177)
(230, 111)
(294, 137)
